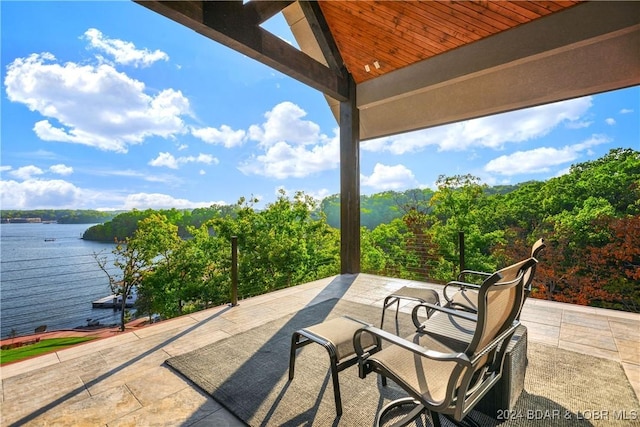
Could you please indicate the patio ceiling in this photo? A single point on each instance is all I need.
(423, 64)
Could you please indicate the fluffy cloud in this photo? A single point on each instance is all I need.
(225, 136)
(540, 160)
(94, 105)
(489, 132)
(389, 178)
(162, 201)
(61, 169)
(41, 194)
(168, 160)
(610, 121)
(123, 52)
(293, 147)
(60, 194)
(285, 123)
(26, 172)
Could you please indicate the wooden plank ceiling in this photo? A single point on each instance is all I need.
(376, 37)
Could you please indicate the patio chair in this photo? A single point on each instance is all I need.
(441, 379)
(463, 295)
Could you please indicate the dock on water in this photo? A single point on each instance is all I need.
(112, 301)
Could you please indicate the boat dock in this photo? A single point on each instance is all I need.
(112, 301)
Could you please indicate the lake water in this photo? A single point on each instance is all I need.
(48, 276)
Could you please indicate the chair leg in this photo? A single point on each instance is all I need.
(435, 419)
(292, 355)
(336, 384)
(407, 419)
(386, 305)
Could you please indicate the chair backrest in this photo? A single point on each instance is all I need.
(500, 299)
(537, 247)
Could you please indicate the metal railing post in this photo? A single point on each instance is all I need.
(461, 249)
(234, 271)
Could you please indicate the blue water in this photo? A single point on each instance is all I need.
(50, 282)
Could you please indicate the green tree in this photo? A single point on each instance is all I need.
(159, 242)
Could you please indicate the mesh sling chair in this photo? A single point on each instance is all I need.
(461, 295)
(438, 378)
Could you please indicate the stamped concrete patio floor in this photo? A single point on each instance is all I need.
(122, 380)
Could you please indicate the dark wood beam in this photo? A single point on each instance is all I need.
(323, 36)
(228, 23)
(263, 10)
(350, 183)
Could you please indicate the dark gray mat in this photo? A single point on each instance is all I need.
(247, 374)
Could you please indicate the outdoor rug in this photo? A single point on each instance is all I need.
(248, 374)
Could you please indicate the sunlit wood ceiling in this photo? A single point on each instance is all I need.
(376, 37)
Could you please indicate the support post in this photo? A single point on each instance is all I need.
(461, 249)
(234, 271)
(350, 183)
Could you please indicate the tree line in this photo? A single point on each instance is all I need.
(590, 218)
(61, 216)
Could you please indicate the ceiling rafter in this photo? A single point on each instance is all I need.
(323, 36)
(237, 26)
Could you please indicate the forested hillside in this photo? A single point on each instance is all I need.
(61, 216)
(589, 217)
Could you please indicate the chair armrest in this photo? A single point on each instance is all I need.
(472, 272)
(460, 286)
(446, 310)
(460, 358)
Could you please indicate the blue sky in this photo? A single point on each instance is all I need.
(108, 105)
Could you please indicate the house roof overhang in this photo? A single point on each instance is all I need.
(423, 64)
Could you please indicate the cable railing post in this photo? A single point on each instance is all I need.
(461, 249)
(234, 271)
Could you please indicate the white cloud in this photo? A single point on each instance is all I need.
(122, 51)
(224, 136)
(60, 194)
(207, 159)
(5, 168)
(169, 161)
(61, 169)
(293, 147)
(41, 194)
(489, 132)
(162, 201)
(26, 172)
(92, 105)
(389, 178)
(284, 123)
(283, 160)
(165, 159)
(626, 111)
(541, 159)
(610, 121)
